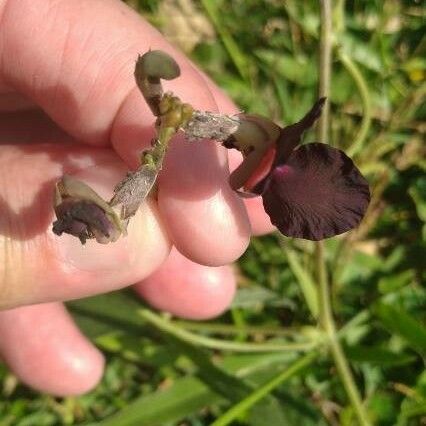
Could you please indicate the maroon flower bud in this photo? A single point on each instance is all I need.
(312, 192)
(81, 212)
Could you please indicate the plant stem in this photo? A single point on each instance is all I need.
(328, 325)
(326, 45)
(232, 329)
(208, 342)
(326, 320)
(229, 416)
(306, 282)
(254, 397)
(324, 297)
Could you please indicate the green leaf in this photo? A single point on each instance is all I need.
(391, 283)
(362, 52)
(382, 408)
(264, 390)
(414, 405)
(184, 397)
(106, 312)
(377, 355)
(418, 194)
(298, 69)
(228, 385)
(240, 61)
(255, 297)
(403, 324)
(188, 395)
(111, 311)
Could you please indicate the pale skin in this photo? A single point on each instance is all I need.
(66, 76)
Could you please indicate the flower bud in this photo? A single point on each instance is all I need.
(157, 64)
(150, 68)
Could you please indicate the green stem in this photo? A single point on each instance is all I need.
(359, 319)
(324, 297)
(172, 328)
(306, 283)
(208, 342)
(326, 45)
(232, 329)
(339, 17)
(359, 80)
(239, 322)
(328, 325)
(345, 374)
(326, 320)
(235, 411)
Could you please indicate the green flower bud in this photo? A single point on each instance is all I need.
(157, 64)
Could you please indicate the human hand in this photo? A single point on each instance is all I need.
(70, 105)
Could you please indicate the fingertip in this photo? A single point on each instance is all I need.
(47, 352)
(189, 290)
(259, 220)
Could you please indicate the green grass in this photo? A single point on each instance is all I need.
(265, 56)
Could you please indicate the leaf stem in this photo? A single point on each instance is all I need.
(305, 280)
(208, 342)
(232, 329)
(359, 80)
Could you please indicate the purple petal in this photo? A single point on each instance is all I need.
(317, 194)
(73, 227)
(290, 136)
(83, 219)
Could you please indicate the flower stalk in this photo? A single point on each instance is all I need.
(325, 58)
(326, 320)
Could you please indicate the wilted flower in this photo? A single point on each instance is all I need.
(81, 212)
(314, 191)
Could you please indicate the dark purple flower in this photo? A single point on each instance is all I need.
(313, 191)
(81, 212)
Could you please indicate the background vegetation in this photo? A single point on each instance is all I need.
(276, 357)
